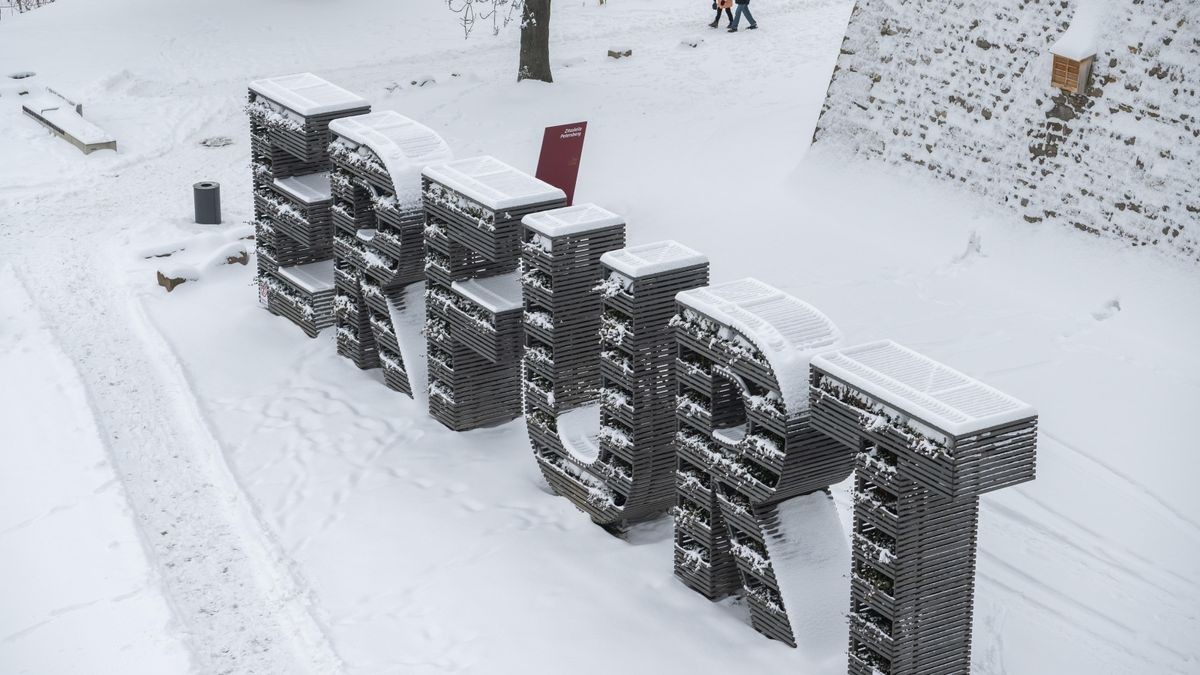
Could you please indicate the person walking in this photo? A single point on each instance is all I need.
(743, 7)
(719, 5)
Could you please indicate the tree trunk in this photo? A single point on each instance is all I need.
(535, 42)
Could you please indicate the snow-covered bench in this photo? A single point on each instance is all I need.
(62, 119)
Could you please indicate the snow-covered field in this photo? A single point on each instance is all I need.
(316, 520)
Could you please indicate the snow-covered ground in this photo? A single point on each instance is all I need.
(361, 535)
(79, 594)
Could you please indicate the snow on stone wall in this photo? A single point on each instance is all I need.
(962, 89)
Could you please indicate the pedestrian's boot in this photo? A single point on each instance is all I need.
(731, 30)
(713, 24)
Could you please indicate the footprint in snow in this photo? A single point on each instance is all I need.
(1082, 327)
(974, 248)
(1108, 310)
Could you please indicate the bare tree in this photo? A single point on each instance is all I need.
(499, 12)
(535, 29)
(21, 6)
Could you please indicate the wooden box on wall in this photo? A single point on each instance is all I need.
(1071, 75)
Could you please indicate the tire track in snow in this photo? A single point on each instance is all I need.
(1076, 612)
(1115, 639)
(227, 581)
(1124, 558)
(1124, 565)
(1141, 491)
(1070, 611)
(1064, 543)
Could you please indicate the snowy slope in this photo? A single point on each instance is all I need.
(962, 92)
(397, 546)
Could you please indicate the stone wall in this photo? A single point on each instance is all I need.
(961, 89)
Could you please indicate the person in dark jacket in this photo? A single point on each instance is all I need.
(743, 7)
(719, 5)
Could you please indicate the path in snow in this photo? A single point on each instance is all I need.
(79, 594)
(235, 600)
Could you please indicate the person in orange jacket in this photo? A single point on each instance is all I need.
(722, 5)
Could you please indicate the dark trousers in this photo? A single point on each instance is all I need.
(743, 9)
(728, 14)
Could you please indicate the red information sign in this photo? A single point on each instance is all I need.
(558, 165)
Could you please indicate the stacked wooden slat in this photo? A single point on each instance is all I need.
(929, 441)
(379, 246)
(561, 273)
(354, 226)
(637, 374)
(473, 211)
(294, 230)
(745, 443)
(304, 294)
(295, 112)
(485, 315)
(298, 206)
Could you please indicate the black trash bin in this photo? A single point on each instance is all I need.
(207, 195)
